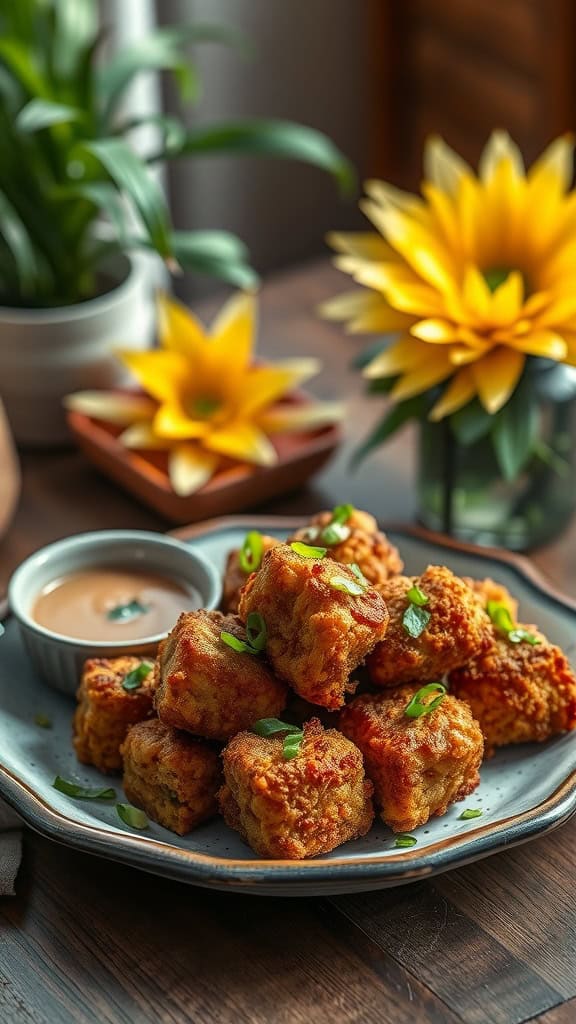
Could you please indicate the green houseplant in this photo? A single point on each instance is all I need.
(76, 199)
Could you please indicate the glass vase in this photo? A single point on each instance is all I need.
(462, 491)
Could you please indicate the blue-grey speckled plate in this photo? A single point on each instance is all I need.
(525, 791)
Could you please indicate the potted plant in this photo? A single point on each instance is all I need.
(77, 202)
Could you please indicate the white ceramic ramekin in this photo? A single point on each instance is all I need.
(58, 658)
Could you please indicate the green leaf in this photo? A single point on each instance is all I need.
(256, 631)
(394, 418)
(15, 233)
(251, 553)
(270, 138)
(471, 422)
(131, 177)
(405, 841)
(418, 707)
(38, 114)
(361, 361)
(126, 612)
(292, 745)
(102, 194)
(82, 792)
(75, 31)
(19, 61)
(415, 620)
(270, 726)
(192, 254)
(469, 813)
(219, 245)
(165, 50)
(417, 596)
(514, 433)
(307, 550)
(133, 680)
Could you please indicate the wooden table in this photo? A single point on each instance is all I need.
(86, 940)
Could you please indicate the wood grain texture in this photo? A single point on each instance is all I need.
(86, 940)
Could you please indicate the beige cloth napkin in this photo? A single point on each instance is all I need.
(10, 849)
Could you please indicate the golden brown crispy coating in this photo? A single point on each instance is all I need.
(301, 807)
(519, 693)
(106, 710)
(488, 590)
(364, 545)
(316, 634)
(235, 577)
(207, 688)
(170, 775)
(457, 629)
(418, 765)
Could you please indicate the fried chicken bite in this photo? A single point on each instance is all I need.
(317, 631)
(106, 709)
(170, 775)
(358, 541)
(419, 766)
(488, 590)
(206, 687)
(456, 630)
(235, 577)
(518, 692)
(295, 808)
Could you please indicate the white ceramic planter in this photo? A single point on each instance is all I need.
(48, 353)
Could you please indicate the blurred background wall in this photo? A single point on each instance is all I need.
(378, 76)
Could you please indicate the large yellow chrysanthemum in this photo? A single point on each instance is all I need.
(474, 276)
(205, 398)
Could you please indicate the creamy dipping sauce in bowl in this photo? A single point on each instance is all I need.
(111, 604)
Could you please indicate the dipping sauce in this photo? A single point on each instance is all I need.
(112, 604)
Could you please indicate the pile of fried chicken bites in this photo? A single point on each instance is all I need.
(450, 676)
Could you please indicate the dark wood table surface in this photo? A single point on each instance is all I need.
(87, 940)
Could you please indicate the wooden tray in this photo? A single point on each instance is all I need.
(235, 487)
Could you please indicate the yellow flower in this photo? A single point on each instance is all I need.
(205, 397)
(475, 275)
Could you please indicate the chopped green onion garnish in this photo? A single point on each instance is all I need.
(292, 744)
(270, 726)
(417, 596)
(416, 708)
(307, 551)
(292, 741)
(81, 792)
(256, 631)
(240, 646)
(127, 612)
(341, 514)
(333, 534)
(358, 573)
(471, 812)
(132, 816)
(501, 618)
(415, 620)
(133, 680)
(352, 587)
(250, 554)
(405, 841)
(43, 721)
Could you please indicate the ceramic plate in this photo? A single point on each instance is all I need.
(525, 791)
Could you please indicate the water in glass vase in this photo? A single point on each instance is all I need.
(462, 490)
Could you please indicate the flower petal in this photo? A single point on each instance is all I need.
(172, 422)
(442, 166)
(160, 373)
(243, 441)
(143, 435)
(111, 406)
(556, 161)
(179, 330)
(547, 344)
(424, 375)
(458, 393)
(498, 148)
(263, 385)
(496, 375)
(434, 331)
(365, 245)
(399, 356)
(305, 416)
(366, 312)
(233, 332)
(189, 468)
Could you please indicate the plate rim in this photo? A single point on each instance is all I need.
(381, 870)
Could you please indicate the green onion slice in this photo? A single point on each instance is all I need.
(127, 612)
(334, 534)
(256, 631)
(501, 618)
(43, 721)
(415, 620)
(352, 587)
(470, 812)
(417, 596)
(251, 552)
(417, 706)
(405, 841)
(132, 816)
(240, 646)
(82, 792)
(270, 726)
(341, 514)
(292, 744)
(133, 680)
(307, 550)
(358, 573)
